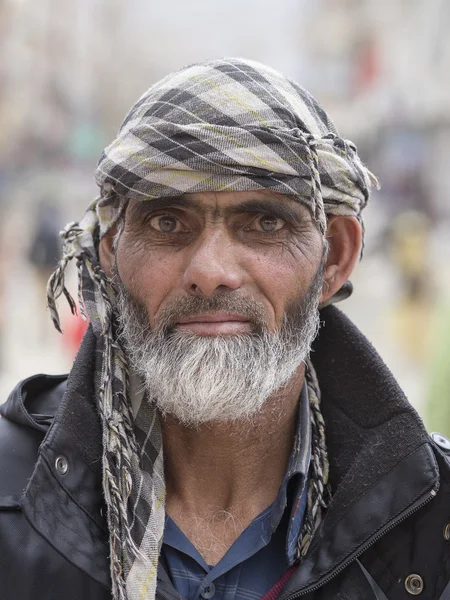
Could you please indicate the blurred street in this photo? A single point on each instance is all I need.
(28, 348)
(381, 70)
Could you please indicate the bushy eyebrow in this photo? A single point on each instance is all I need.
(144, 207)
(289, 211)
(281, 210)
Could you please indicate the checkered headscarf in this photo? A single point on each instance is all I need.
(221, 125)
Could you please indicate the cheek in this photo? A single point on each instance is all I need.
(285, 275)
(147, 274)
(279, 283)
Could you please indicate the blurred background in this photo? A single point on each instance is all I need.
(70, 71)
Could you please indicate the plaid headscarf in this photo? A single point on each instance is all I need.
(227, 124)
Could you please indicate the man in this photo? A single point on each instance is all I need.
(195, 450)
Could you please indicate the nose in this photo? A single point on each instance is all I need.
(213, 265)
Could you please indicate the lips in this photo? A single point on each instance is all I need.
(220, 317)
(220, 323)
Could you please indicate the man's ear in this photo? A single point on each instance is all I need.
(344, 236)
(107, 251)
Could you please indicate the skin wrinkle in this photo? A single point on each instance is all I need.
(137, 247)
(271, 205)
(288, 211)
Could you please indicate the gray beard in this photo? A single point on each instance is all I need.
(205, 379)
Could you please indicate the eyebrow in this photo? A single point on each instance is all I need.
(287, 210)
(142, 208)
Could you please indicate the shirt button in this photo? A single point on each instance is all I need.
(208, 590)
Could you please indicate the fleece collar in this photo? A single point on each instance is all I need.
(381, 463)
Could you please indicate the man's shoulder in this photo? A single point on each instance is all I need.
(24, 421)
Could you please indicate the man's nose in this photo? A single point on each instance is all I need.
(213, 265)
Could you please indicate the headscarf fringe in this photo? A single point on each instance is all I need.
(319, 492)
(56, 284)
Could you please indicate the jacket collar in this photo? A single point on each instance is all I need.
(381, 464)
(375, 441)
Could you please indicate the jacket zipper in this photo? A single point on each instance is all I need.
(405, 515)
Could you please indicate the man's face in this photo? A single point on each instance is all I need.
(217, 299)
(254, 245)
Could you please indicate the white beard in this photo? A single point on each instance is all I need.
(204, 379)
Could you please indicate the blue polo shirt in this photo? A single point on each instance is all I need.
(262, 553)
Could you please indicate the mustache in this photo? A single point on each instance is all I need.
(188, 306)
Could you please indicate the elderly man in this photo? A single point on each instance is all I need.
(196, 450)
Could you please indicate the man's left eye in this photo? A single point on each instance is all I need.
(268, 224)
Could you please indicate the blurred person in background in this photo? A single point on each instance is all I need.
(210, 441)
(409, 250)
(45, 252)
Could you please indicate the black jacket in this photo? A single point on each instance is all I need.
(384, 535)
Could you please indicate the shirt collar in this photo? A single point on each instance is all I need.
(292, 495)
(301, 451)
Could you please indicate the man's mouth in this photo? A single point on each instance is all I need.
(219, 323)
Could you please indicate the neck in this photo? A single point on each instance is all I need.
(230, 468)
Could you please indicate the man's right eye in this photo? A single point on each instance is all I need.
(166, 224)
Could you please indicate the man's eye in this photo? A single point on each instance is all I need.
(268, 224)
(166, 224)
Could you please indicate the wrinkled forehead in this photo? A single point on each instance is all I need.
(211, 205)
(221, 205)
